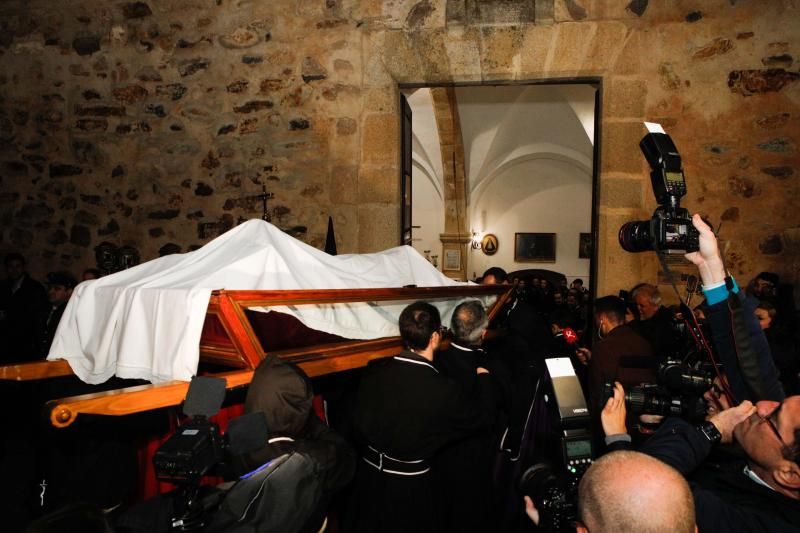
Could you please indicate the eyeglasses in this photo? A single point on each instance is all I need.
(772, 426)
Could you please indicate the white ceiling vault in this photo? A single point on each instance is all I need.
(505, 125)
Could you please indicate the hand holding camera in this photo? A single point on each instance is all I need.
(613, 415)
(707, 259)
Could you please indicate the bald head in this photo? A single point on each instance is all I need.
(631, 491)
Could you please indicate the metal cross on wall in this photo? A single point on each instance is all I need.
(264, 196)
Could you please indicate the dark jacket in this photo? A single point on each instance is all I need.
(611, 358)
(660, 333)
(408, 411)
(19, 313)
(725, 498)
(284, 394)
(744, 350)
(463, 469)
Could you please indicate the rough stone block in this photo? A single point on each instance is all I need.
(625, 98)
(380, 140)
(621, 192)
(463, 49)
(399, 60)
(343, 184)
(629, 59)
(569, 49)
(536, 43)
(620, 147)
(378, 185)
(500, 51)
(606, 44)
(378, 227)
(382, 100)
(748, 82)
(617, 269)
(429, 47)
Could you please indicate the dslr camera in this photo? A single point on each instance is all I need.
(670, 229)
(553, 484)
(678, 392)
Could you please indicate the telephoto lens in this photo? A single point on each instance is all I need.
(635, 236)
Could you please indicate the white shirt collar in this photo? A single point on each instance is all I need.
(415, 361)
(752, 475)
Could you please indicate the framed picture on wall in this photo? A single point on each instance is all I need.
(585, 246)
(535, 247)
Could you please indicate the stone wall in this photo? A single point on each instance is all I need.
(147, 123)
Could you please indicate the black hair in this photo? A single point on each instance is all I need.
(418, 322)
(499, 274)
(611, 306)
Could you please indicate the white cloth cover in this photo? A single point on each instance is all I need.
(146, 322)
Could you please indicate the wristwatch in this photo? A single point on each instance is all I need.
(710, 431)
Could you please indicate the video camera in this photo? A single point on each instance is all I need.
(198, 447)
(554, 489)
(670, 229)
(678, 391)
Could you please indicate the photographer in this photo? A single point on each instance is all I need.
(760, 492)
(615, 353)
(630, 491)
(736, 334)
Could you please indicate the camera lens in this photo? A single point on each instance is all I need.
(635, 236)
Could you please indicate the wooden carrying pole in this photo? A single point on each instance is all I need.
(245, 350)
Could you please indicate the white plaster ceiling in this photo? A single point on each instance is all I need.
(504, 125)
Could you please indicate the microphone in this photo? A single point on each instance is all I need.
(570, 337)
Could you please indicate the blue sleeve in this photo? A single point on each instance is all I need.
(719, 293)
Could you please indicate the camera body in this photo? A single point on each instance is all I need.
(190, 453)
(670, 229)
(555, 495)
(553, 485)
(678, 392)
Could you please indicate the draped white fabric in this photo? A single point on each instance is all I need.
(146, 322)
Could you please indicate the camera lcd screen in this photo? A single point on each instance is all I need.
(578, 448)
(674, 178)
(674, 232)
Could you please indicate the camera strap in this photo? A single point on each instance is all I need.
(694, 328)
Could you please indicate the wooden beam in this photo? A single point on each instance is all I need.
(314, 360)
(35, 370)
(129, 400)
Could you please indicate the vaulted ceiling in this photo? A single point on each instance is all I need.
(505, 125)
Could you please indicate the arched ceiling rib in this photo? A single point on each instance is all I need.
(499, 122)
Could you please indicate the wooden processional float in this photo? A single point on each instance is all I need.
(235, 340)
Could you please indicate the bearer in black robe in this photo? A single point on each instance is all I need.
(405, 412)
(463, 469)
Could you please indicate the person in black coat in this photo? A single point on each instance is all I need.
(758, 492)
(463, 469)
(656, 322)
(406, 412)
(21, 302)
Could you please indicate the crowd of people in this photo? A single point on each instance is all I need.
(434, 439)
(30, 311)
